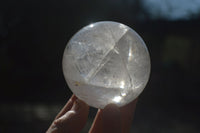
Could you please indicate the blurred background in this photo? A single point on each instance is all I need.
(34, 33)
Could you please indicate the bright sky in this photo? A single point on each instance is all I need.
(172, 9)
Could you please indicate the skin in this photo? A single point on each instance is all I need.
(112, 119)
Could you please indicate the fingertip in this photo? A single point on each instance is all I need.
(67, 106)
(73, 97)
(73, 120)
(110, 111)
(111, 107)
(79, 105)
(66, 117)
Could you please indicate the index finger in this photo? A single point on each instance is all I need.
(67, 106)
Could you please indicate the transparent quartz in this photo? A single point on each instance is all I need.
(106, 62)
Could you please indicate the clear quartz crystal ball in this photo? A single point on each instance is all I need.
(106, 62)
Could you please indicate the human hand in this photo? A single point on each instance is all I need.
(111, 119)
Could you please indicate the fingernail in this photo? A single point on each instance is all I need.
(73, 97)
(76, 106)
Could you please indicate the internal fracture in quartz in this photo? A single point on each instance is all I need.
(106, 62)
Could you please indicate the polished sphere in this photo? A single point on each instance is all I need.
(106, 62)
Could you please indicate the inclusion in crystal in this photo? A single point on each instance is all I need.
(106, 62)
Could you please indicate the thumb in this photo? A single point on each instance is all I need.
(107, 120)
(111, 119)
